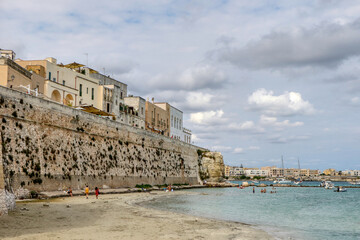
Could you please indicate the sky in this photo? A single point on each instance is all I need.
(256, 79)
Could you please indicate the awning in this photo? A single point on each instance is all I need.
(93, 70)
(94, 110)
(74, 65)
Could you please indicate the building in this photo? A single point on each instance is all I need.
(231, 171)
(113, 92)
(187, 135)
(69, 84)
(330, 172)
(176, 123)
(10, 54)
(256, 172)
(12, 75)
(137, 105)
(157, 118)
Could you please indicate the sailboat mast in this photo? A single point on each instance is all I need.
(298, 163)
(282, 165)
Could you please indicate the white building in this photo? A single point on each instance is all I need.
(187, 135)
(176, 123)
(136, 104)
(257, 172)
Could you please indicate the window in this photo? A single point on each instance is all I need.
(80, 90)
(142, 110)
(64, 82)
(49, 75)
(92, 94)
(87, 90)
(108, 107)
(172, 121)
(121, 95)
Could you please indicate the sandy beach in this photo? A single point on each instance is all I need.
(114, 216)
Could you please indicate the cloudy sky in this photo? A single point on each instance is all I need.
(255, 79)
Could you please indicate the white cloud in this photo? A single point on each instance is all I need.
(220, 148)
(287, 139)
(199, 101)
(272, 121)
(289, 103)
(254, 148)
(245, 126)
(355, 101)
(238, 150)
(195, 78)
(208, 118)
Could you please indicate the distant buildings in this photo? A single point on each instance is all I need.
(81, 87)
(272, 172)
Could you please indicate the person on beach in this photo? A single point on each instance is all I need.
(253, 189)
(70, 192)
(87, 191)
(96, 192)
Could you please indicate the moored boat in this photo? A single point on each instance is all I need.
(340, 189)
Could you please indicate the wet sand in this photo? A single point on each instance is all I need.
(114, 216)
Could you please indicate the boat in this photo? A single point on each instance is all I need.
(327, 185)
(355, 183)
(255, 181)
(282, 181)
(340, 189)
(298, 181)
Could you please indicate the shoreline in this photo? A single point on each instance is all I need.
(115, 216)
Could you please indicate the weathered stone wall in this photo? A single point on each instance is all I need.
(48, 146)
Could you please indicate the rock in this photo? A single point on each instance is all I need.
(46, 205)
(68, 206)
(212, 166)
(24, 209)
(245, 184)
(22, 193)
(262, 185)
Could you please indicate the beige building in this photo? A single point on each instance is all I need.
(16, 77)
(330, 172)
(157, 119)
(69, 84)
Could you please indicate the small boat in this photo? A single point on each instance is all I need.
(340, 189)
(298, 181)
(327, 185)
(355, 182)
(255, 181)
(282, 181)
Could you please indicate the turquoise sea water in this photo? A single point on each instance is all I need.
(291, 213)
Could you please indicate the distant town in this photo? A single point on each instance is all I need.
(238, 172)
(78, 86)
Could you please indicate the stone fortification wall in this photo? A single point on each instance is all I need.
(48, 146)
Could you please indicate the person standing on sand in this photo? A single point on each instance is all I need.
(253, 189)
(96, 192)
(70, 192)
(87, 191)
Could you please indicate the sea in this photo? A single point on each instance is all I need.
(291, 213)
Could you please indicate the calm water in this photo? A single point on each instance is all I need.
(296, 213)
